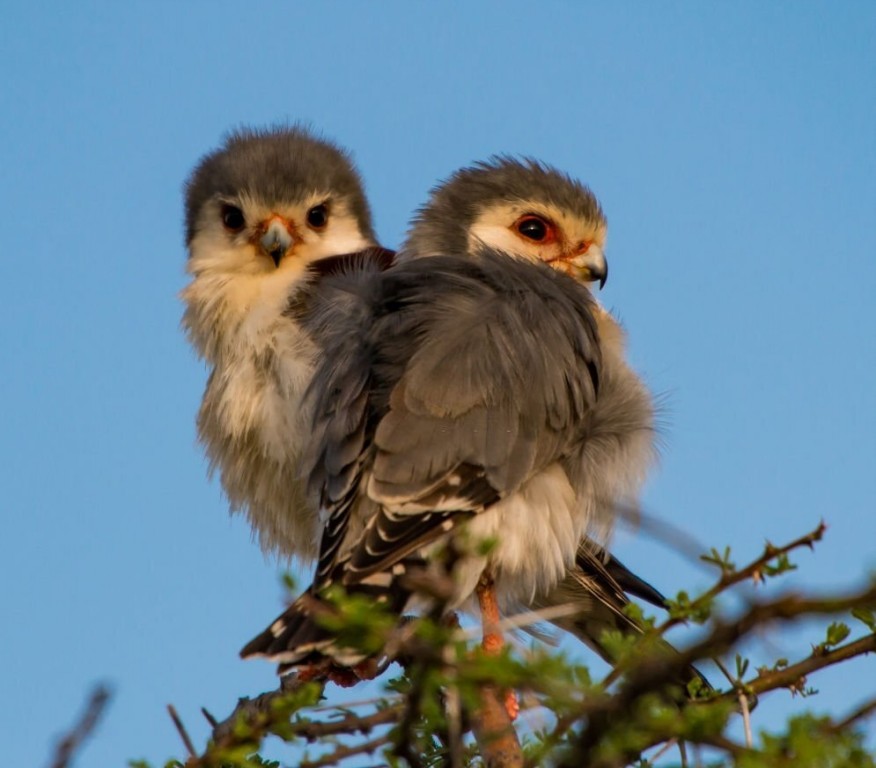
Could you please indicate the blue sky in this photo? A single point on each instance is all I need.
(734, 151)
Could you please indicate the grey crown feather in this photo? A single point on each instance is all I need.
(442, 225)
(281, 164)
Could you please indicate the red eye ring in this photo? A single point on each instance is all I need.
(535, 228)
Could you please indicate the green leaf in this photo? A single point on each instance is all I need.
(289, 583)
(781, 565)
(720, 559)
(836, 633)
(866, 616)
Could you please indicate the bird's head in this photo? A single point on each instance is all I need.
(259, 210)
(521, 207)
(273, 200)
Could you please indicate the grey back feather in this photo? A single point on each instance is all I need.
(456, 378)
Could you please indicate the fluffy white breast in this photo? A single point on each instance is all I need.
(252, 422)
(536, 531)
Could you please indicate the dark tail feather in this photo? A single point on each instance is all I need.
(597, 585)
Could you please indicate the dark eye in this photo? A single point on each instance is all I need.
(232, 218)
(317, 217)
(534, 228)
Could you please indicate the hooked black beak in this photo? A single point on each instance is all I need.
(592, 266)
(600, 274)
(276, 241)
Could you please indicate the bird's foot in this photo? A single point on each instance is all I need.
(306, 674)
(347, 677)
(512, 705)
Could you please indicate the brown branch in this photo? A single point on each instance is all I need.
(651, 674)
(260, 717)
(670, 743)
(73, 739)
(753, 569)
(864, 711)
(725, 635)
(213, 722)
(496, 737)
(350, 724)
(727, 745)
(258, 712)
(790, 676)
(343, 752)
(311, 730)
(770, 552)
(727, 580)
(181, 730)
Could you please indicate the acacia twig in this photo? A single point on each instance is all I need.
(73, 739)
(213, 722)
(752, 570)
(727, 580)
(862, 712)
(260, 717)
(181, 730)
(790, 676)
(343, 752)
(653, 673)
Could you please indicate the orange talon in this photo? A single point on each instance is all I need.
(493, 641)
(512, 705)
(310, 672)
(347, 677)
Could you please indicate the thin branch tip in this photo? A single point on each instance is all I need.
(181, 730)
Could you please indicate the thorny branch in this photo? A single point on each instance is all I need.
(255, 712)
(754, 570)
(263, 719)
(74, 738)
(343, 752)
(730, 577)
(181, 730)
(793, 676)
(653, 674)
(598, 714)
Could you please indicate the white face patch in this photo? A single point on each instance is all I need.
(341, 234)
(236, 286)
(495, 227)
(217, 250)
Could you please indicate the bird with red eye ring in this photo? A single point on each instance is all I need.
(535, 228)
(317, 217)
(232, 218)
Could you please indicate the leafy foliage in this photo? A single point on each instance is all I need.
(436, 712)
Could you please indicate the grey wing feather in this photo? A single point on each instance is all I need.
(504, 370)
(341, 312)
(457, 380)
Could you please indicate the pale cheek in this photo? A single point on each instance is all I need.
(341, 237)
(498, 237)
(211, 252)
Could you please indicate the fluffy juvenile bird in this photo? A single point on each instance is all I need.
(483, 385)
(264, 214)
